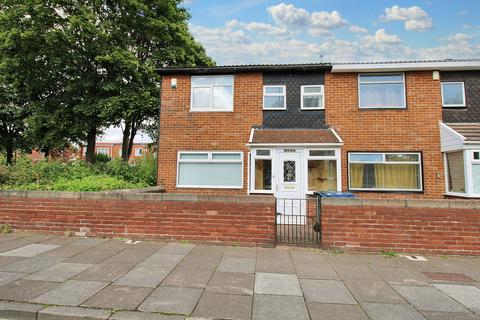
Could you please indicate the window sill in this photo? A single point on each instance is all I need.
(207, 111)
(382, 108)
(274, 109)
(454, 107)
(311, 109)
(385, 191)
(209, 187)
(461, 195)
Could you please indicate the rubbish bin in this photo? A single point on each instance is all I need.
(327, 194)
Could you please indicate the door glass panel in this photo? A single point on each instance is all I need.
(289, 171)
(263, 174)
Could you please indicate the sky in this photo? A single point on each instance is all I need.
(269, 31)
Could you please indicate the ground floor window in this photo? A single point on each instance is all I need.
(105, 151)
(322, 170)
(385, 171)
(262, 170)
(463, 172)
(456, 172)
(210, 169)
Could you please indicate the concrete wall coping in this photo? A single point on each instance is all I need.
(411, 203)
(148, 196)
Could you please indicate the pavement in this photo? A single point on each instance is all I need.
(56, 277)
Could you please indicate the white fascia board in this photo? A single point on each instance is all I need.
(406, 66)
(317, 145)
(336, 135)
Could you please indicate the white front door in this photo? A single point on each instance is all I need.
(289, 191)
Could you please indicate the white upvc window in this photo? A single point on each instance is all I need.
(212, 93)
(312, 97)
(462, 169)
(389, 171)
(453, 94)
(103, 150)
(323, 170)
(385, 90)
(202, 169)
(274, 98)
(120, 152)
(138, 152)
(261, 167)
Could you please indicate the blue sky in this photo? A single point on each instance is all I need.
(268, 31)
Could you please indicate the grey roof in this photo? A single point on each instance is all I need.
(410, 61)
(297, 67)
(470, 131)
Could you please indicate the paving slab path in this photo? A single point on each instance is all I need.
(69, 278)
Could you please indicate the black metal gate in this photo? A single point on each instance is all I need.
(298, 221)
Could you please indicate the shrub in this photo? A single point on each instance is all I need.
(102, 158)
(94, 183)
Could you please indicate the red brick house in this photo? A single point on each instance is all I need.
(379, 130)
(114, 150)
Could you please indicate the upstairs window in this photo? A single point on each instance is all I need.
(312, 97)
(212, 93)
(274, 98)
(453, 94)
(381, 91)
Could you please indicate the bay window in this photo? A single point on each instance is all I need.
(322, 170)
(463, 173)
(381, 90)
(385, 171)
(261, 171)
(210, 169)
(456, 172)
(212, 93)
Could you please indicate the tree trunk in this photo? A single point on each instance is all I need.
(125, 140)
(9, 151)
(91, 139)
(133, 132)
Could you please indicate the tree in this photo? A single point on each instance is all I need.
(88, 64)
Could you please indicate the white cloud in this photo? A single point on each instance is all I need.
(259, 27)
(382, 37)
(317, 22)
(357, 29)
(457, 37)
(288, 14)
(416, 19)
(216, 36)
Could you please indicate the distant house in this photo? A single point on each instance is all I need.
(114, 150)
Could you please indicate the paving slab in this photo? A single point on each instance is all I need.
(130, 256)
(316, 257)
(21, 242)
(105, 272)
(93, 256)
(220, 306)
(373, 291)
(60, 240)
(176, 248)
(162, 260)
(240, 252)
(242, 265)
(469, 296)
(66, 251)
(70, 293)
(431, 315)
(326, 291)
(172, 300)
(134, 315)
(402, 276)
(73, 313)
(142, 277)
(274, 261)
(387, 311)
(429, 298)
(188, 277)
(30, 250)
(277, 283)
(60, 272)
(267, 307)
(377, 260)
(313, 270)
(8, 260)
(89, 242)
(231, 283)
(7, 277)
(201, 261)
(12, 236)
(326, 311)
(356, 272)
(118, 297)
(32, 265)
(25, 290)
(20, 311)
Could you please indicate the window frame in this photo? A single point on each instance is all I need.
(136, 150)
(211, 86)
(463, 95)
(284, 95)
(303, 94)
(103, 148)
(419, 162)
(336, 157)
(209, 160)
(359, 83)
(253, 157)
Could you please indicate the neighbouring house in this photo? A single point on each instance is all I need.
(379, 129)
(114, 150)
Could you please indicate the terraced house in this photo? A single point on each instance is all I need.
(379, 130)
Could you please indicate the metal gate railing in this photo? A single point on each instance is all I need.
(298, 221)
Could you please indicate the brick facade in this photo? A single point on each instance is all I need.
(423, 226)
(229, 220)
(414, 129)
(182, 130)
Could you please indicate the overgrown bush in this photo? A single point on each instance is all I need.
(78, 175)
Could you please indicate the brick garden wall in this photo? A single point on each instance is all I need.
(424, 226)
(228, 220)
